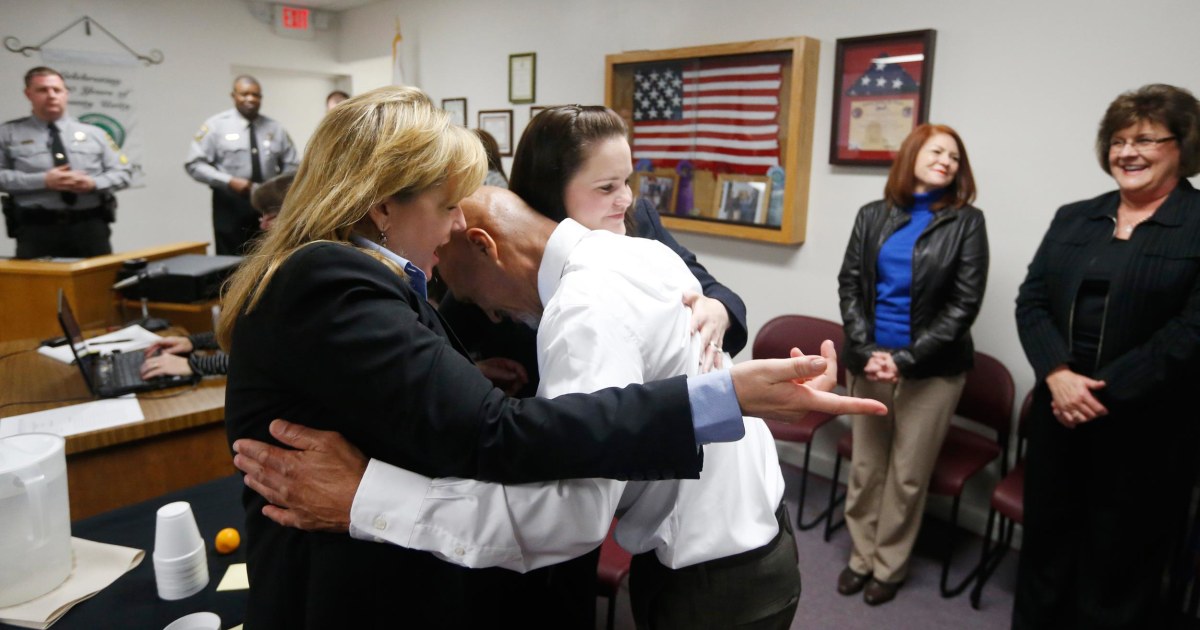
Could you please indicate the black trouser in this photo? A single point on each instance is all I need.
(62, 234)
(756, 589)
(235, 222)
(1104, 509)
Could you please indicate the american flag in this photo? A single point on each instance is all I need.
(883, 79)
(721, 116)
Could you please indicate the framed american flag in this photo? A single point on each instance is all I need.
(714, 115)
(881, 93)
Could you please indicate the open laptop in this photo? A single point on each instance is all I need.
(110, 375)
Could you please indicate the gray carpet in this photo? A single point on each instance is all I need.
(918, 606)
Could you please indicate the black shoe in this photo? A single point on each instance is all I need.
(851, 582)
(877, 592)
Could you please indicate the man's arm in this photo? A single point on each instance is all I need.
(11, 179)
(117, 172)
(202, 159)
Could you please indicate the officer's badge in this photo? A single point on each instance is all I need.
(80, 136)
(200, 134)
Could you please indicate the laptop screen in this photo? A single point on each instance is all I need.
(74, 336)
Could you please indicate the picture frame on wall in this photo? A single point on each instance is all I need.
(457, 108)
(660, 187)
(742, 198)
(775, 80)
(881, 93)
(522, 78)
(499, 123)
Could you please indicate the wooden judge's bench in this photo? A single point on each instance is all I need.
(180, 443)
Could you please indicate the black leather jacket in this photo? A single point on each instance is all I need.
(950, 265)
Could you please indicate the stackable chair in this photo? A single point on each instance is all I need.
(987, 402)
(775, 340)
(1008, 504)
(612, 569)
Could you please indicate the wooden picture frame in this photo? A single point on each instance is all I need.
(522, 78)
(780, 150)
(743, 198)
(881, 93)
(661, 187)
(457, 108)
(499, 123)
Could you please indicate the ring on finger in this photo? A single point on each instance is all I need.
(713, 345)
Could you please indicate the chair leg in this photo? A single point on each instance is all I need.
(992, 555)
(966, 581)
(612, 609)
(834, 500)
(819, 518)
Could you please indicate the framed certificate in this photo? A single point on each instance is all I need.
(522, 77)
(457, 108)
(881, 93)
(499, 123)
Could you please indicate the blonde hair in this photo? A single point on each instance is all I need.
(392, 142)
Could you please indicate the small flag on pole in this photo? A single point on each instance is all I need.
(397, 64)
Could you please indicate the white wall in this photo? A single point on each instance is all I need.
(1025, 83)
(202, 43)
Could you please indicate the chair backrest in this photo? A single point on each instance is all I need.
(777, 337)
(987, 398)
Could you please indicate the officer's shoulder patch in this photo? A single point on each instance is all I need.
(201, 133)
(123, 159)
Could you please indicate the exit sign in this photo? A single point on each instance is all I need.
(294, 22)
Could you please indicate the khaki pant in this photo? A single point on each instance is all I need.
(893, 458)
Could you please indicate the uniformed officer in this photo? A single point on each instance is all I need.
(232, 153)
(59, 174)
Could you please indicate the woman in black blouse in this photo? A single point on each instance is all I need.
(1109, 317)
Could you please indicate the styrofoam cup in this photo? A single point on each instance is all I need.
(176, 534)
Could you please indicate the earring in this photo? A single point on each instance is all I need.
(382, 239)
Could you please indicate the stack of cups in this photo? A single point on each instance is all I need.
(180, 561)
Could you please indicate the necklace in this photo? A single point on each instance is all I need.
(1128, 229)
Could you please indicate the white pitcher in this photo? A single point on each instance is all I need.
(35, 518)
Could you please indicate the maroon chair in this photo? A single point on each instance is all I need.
(987, 401)
(612, 569)
(775, 340)
(1009, 503)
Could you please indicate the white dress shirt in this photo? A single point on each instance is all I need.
(613, 315)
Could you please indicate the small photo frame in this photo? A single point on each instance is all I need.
(522, 77)
(499, 123)
(660, 187)
(881, 93)
(457, 108)
(742, 198)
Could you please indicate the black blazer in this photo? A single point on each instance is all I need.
(1150, 347)
(485, 339)
(950, 267)
(339, 342)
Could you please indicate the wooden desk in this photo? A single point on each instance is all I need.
(181, 442)
(29, 288)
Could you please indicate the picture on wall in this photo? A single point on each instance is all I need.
(743, 198)
(522, 78)
(457, 108)
(881, 93)
(499, 123)
(659, 187)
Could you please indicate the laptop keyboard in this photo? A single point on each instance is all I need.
(122, 369)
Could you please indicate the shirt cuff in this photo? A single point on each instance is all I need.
(387, 503)
(716, 415)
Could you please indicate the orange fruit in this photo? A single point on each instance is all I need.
(227, 540)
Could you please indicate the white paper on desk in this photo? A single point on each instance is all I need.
(138, 339)
(73, 419)
(96, 566)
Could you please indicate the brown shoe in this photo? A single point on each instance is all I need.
(877, 592)
(851, 582)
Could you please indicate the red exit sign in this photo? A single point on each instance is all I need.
(294, 18)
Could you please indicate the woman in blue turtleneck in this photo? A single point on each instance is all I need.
(910, 286)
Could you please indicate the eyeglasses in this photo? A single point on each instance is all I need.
(1140, 144)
